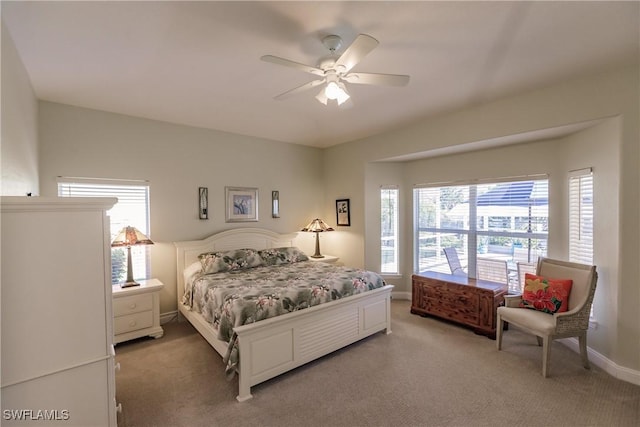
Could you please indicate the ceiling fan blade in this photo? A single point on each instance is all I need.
(299, 89)
(377, 79)
(361, 46)
(292, 64)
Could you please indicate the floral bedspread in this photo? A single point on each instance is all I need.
(239, 297)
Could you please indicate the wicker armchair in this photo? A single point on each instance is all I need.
(547, 327)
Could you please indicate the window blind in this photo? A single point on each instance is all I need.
(581, 216)
(132, 209)
(389, 263)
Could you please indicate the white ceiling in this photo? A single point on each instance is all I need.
(198, 63)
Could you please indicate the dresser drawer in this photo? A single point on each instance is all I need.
(133, 322)
(132, 304)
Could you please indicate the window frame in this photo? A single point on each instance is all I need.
(395, 221)
(579, 217)
(139, 192)
(470, 233)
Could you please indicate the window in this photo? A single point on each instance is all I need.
(505, 220)
(581, 216)
(389, 230)
(132, 209)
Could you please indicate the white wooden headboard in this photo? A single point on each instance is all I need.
(237, 238)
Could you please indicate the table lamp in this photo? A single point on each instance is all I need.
(128, 237)
(317, 226)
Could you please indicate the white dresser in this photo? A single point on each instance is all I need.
(57, 335)
(136, 311)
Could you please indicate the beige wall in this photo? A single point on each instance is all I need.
(176, 160)
(596, 147)
(19, 145)
(612, 147)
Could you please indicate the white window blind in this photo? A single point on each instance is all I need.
(581, 216)
(132, 209)
(389, 230)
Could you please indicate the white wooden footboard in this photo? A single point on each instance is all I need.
(271, 347)
(274, 346)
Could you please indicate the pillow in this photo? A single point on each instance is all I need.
(285, 255)
(190, 274)
(546, 294)
(194, 268)
(236, 259)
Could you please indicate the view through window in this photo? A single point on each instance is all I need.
(505, 222)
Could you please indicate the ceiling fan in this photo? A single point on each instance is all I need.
(334, 70)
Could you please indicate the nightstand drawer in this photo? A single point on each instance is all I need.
(136, 311)
(132, 304)
(133, 322)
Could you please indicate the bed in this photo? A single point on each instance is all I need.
(270, 347)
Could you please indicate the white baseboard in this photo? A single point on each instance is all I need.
(401, 295)
(612, 368)
(168, 317)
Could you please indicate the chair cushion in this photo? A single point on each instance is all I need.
(534, 321)
(546, 294)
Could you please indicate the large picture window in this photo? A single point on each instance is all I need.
(131, 209)
(505, 221)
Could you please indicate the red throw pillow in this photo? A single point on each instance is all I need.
(546, 294)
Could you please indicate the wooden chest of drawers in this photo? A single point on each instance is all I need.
(460, 299)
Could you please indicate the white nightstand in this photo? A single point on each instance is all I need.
(330, 259)
(136, 311)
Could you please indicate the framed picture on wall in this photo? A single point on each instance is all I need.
(241, 204)
(343, 212)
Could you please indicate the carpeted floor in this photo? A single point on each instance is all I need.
(426, 373)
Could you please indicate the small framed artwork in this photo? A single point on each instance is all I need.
(203, 202)
(343, 212)
(241, 204)
(275, 204)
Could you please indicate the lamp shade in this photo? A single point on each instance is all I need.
(130, 236)
(317, 226)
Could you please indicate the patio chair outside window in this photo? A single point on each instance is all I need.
(454, 262)
(523, 268)
(492, 270)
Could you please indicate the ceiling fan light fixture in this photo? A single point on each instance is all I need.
(343, 95)
(335, 91)
(322, 97)
(332, 90)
